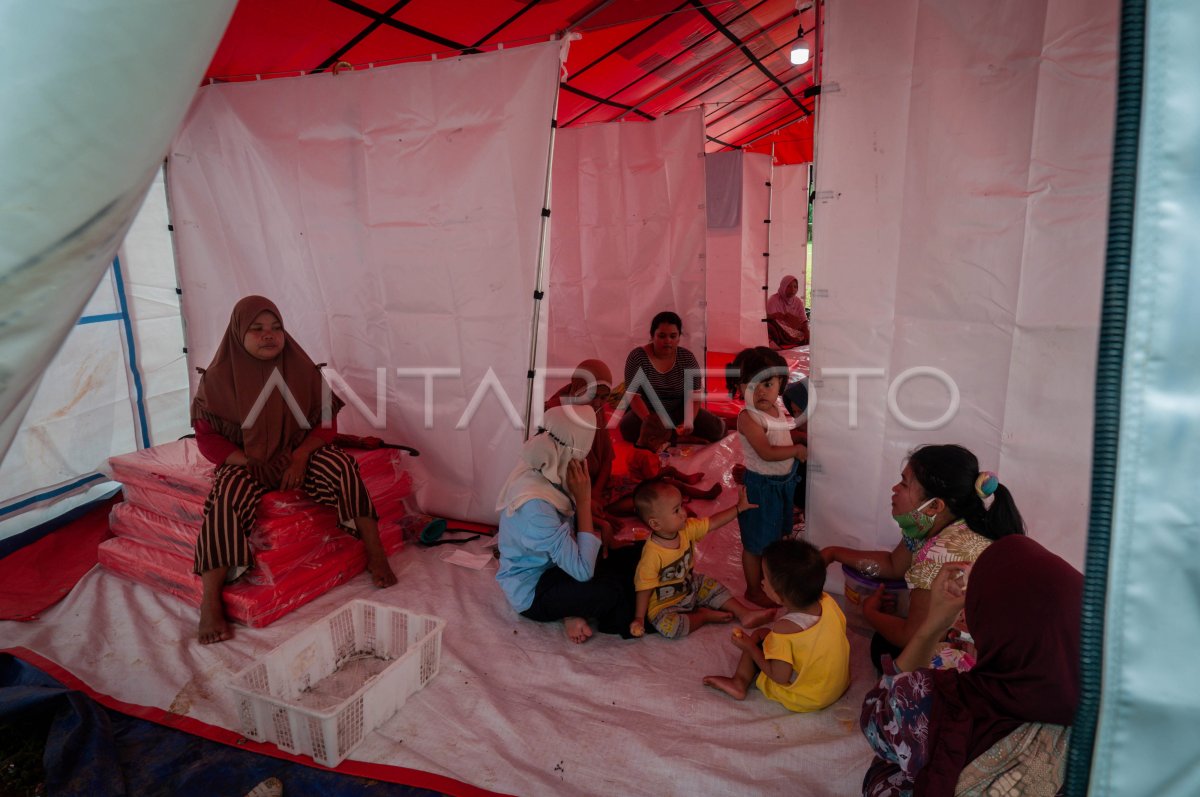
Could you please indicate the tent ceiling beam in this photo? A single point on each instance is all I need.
(517, 15)
(727, 33)
(682, 76)
(613, 50)
(368, 30)
(590, 96)
(358, 8)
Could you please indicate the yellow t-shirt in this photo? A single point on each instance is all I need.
(820, 656)
(668, 571)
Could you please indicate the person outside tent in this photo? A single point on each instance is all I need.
(787, 320)
(1003, 727)
(664, 374)
(939, 505)
(262, 439)
(551, 567)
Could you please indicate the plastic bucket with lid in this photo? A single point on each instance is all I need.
(859, 587)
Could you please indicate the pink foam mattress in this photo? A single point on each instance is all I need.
(252, 604)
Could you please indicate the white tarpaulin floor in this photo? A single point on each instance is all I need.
(516, 708)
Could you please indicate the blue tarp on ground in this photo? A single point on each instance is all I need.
(96, 752)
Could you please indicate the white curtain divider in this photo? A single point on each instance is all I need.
(962, 189)
(627, 238)
(737, 269)
(393, 215)
(789, 226)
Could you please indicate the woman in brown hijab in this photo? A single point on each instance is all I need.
(258, 417)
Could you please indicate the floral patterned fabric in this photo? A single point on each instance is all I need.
(895, 719)
(955, 543)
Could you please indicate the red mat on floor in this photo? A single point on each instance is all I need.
(34, 578)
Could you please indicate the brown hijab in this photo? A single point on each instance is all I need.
(1023, 608)
(235, 379)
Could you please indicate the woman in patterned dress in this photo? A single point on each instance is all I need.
(947, 511)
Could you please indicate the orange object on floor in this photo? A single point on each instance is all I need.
(34, 578)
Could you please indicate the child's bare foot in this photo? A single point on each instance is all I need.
(213, 625)
(704, 615)
(728, 685)
(578, 631)
(754, 619)
(381, 571)
(760, 598)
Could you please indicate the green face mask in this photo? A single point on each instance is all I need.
(915, 524)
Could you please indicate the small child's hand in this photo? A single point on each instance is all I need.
(801, 453)
(743, 502)
(741, 639)
(637, 628)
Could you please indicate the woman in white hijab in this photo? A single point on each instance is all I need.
(550, 564)
(787, 321)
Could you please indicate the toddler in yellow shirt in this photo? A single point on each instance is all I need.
(674, 598)
(803, 660)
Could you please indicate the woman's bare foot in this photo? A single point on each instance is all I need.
(691, 478)
(578, 631)
(213, 625)
(729, 686)
(381, 571)
(760, 598)
(704, 616)
(710, 493)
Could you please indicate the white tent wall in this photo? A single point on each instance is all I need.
(80, 414)
(627, 238)
(1146, 740)
(120, 75)
(789, 227)
(736, 268)
(393, 215)
(960, 225)
(147, 262)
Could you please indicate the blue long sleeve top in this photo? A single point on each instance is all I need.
(531, 541)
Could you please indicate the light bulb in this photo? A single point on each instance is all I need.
(799, 54)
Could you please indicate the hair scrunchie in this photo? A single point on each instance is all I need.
(986, 484)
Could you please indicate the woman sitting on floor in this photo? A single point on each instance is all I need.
(1001, 728)
(262, 447)
(939, 506)
(787, 321)
(550, 563)
(663, 374)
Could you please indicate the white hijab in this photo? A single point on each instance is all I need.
(541, 472)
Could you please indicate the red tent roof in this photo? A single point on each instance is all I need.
(637, 59)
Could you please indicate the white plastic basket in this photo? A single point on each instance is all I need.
(322, 691)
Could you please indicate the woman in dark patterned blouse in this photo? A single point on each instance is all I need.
(664, 377)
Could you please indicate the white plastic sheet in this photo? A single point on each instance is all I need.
(1146, 740)
(963, 168)
(627, 237)
(393, 215)
(100, 92)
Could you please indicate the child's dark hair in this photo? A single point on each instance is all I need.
(646, 494)
(733, 372)
(950, 472)
(762, 363)
(796, 571)
(666, 317)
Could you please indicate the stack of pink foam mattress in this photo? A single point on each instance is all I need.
(300, 551)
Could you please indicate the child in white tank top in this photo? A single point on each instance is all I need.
(764, 429)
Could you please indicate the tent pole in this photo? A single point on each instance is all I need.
(539, 288)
